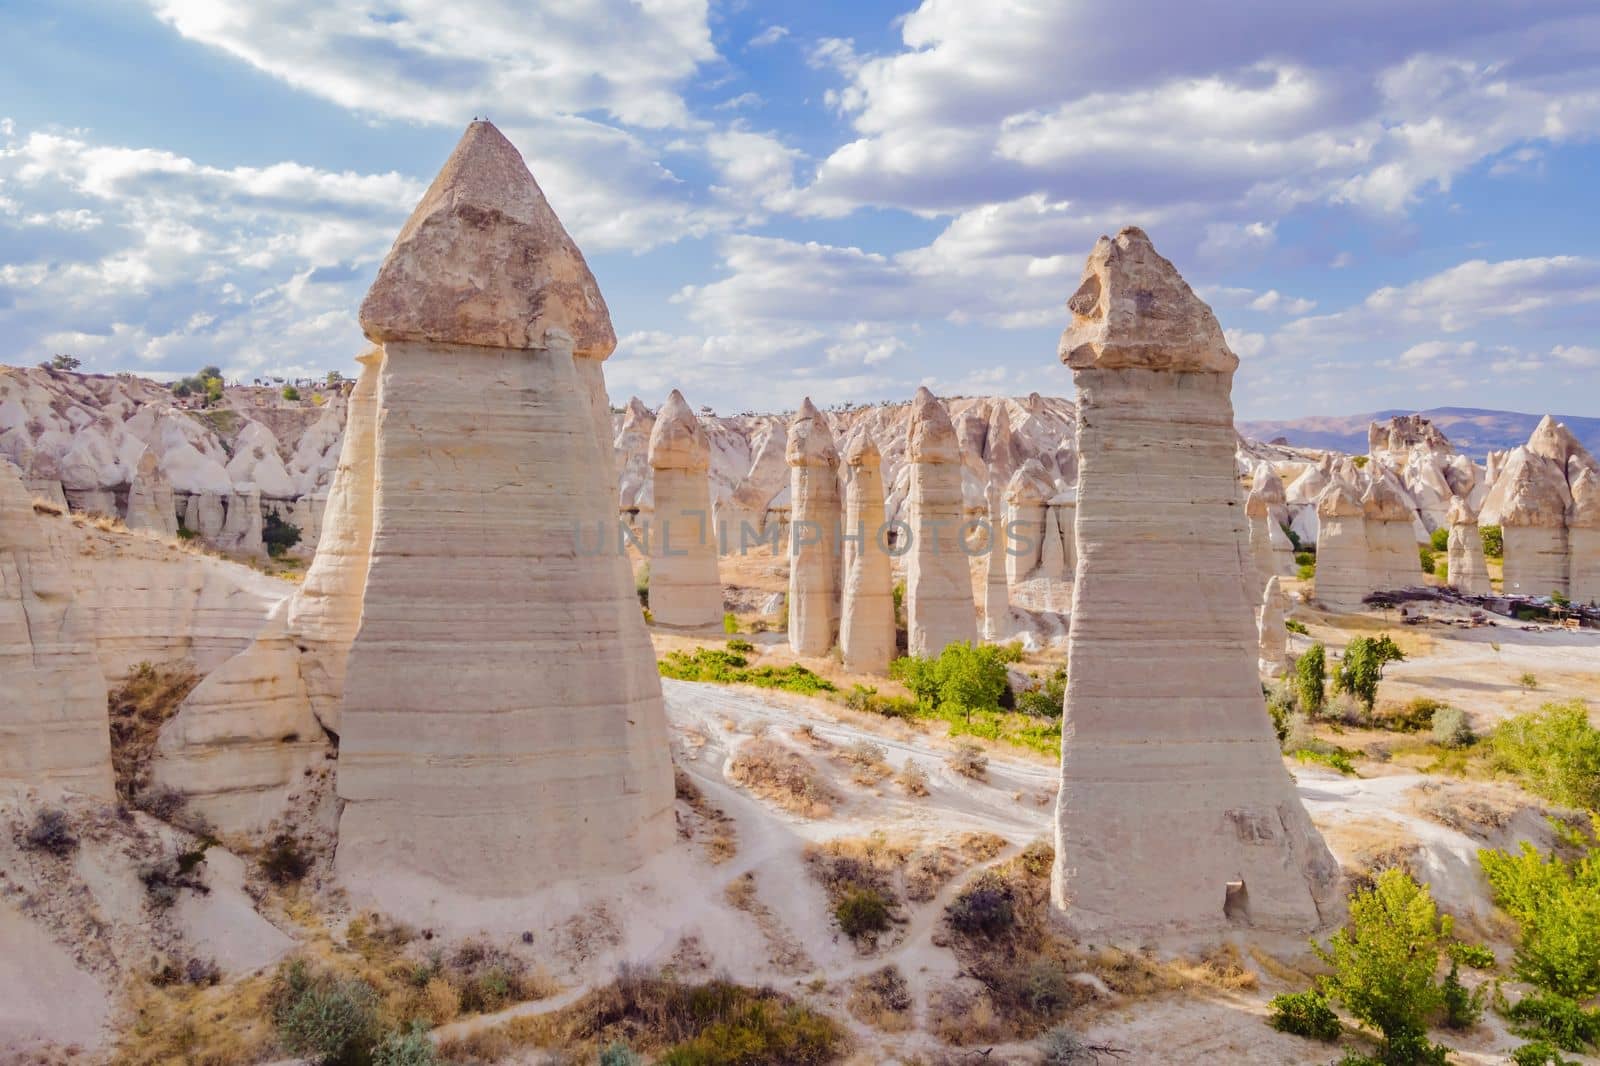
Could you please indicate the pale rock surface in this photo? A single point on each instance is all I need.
(1027, 496)
(866, 624)
(631, 445)
(815, 513)
(54, 728)
(1583, 538)
(997, 619)
(1392, 559)
(1529, 502)
(1272, 656)
(245, 737)
(1344, 567)
(242, 523)
(684, 587)
(256, 462)
(151, 505)
(940, 609)
(502, 726)
(325, 612)
(1059, 556)
(1175, 814)
(1467, 572)
(204, 515)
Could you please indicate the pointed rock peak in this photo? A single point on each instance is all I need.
(678, 441)
(1133, 309)
(1585, 510)
(1555, 441)
(933, 435)
(484, 261)
(862, 450)
(1268, 483)
(1339, 500)
(810, 439)
(636, 411)
(1256, 504)
(1530, 491)
(1384, 501)
(1030, 484)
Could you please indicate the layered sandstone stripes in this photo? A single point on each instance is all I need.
(867, 624)
(814, 526)
(1343, 559)
(1175, 811)
(940, 609)
(684, 587)
(54, 728)
(502, 726)
(1465, 567)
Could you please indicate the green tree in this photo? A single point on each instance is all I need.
(1439, 539)
(1311, 680)
(61, 361)
(1554, 750)
(291, 393)
(1556, 905)
(1384, 963)
(1362, 667)
(1494, 544)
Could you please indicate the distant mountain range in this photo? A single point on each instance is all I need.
(1473, 431)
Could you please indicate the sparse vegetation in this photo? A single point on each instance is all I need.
(1305, 1014)
(882, 999)
(1362, 667)
(730, 623)
(729, 668)
(1294, 625)
(330, 1020)
(278, 535)
(1494, 543)
(1048, 699)
(969, 760)
(283, 860)
(785, 777)
(862, 912)
(51, 833)
(1554, 751)
(1450, 728)
(138, 708)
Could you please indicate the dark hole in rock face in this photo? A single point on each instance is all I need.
(1236, 903)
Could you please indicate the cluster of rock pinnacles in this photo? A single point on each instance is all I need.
(494, 693)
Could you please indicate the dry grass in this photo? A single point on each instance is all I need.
(701, 820)
(184, 1025)
(784, 951)
(969, 760)
(867, 761)
(913, 778)
(139, 707)
(881, 999)
(49, 507)
(786, 778)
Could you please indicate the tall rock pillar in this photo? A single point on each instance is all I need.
(502, 726)
(813, 532)
(1176, 813)
(1465, 567)
(684, 587)
(940, 609)
(866, 626)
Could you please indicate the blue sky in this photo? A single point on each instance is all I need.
(1388, 204)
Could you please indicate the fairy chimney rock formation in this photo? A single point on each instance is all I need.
(1176, 814)
(1583, 538)
(1529, 502)
(940, 609)
(1465, 567)
(1343, 576)
(813, 531)
(866, 624)
(1391, 541)
(502, 726)
(150, 502)
(684, 587)
(54, 729)
(1271, 633)
(1027, 496)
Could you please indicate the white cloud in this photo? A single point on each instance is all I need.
(1245, 345)
(1577, 355)
(1273, 301)
(1430, 353)
(755, 168)
(769, 36)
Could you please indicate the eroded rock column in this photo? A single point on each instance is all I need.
(939, 605)
(1343, 567)
(684, 587)
(1465, 567)
(502, 726)
(813, 531)
(866, 626)
(1176, 813)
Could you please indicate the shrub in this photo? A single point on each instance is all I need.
(1306, 571)
(1450, 728)
(1310, 680)
(1362, 667)
(1305, 1014)
(1462, 1008)
(913, 778)
(282, 860)
(1280, 708)
(410, 1048)
(1555, 751)
(332, 1021)
(740, 647)
(1474, 955)
(1556, 905)
(618, 1054)
(1528, 682)
(968, 760)
(291, 393)
(1425, 558)
(1305, 558)
(1294, 625)
(966, 676)
(1539, 1053)
(1048, 699)
(641, 584)
(728, 667)
(1439, 539)
(1494, 543)
(1551, 1017)
(862, 912)
(985, 907)
(1413, 716)
(1062, 1047)
(730, 623)
(278, 536)
(51, 833)
(1384, 962)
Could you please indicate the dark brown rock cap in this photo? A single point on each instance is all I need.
(484, 261)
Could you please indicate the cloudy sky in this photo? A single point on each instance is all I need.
(1389, 203)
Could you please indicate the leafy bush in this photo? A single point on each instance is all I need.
(1556, 905)
(1305, 1014)
(1539, 1053)
(1450, 728)
(1305, 558)
(1306, 571)
(291, 393)
(410, 1048)
(1474, 955)
(1425, 558)
(1280, 708)
(1294, 625)
(1048, 699)
(1528, 682)
(1552, 1017)
(861, 912)
(51, 832)
(641, 584)
(1384, 962)
(1462, 1007)
(1336, 759)
(1554, 750)
(728, 667)
(1439, 539)
(332, 1021)
(730, 623)
(1362, 667)
(985, 907)
(278, 536)
(970, 677)
(1414, 716)
(1494, 542)
(740, 647)
(1311, 679)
